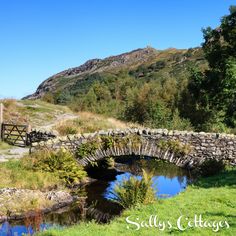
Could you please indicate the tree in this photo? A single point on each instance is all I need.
(212, 93)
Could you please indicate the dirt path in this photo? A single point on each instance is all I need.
(60, 118)
(12, 153)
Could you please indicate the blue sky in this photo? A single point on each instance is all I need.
(39, 38)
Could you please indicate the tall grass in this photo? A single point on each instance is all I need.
(133, 191)
(88, 123)
(13, 174)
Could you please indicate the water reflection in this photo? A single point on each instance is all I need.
(7, 229)
(168, 179)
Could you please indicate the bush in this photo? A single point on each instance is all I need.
(86, 149)
(175, 146)
(48, 97)
(133, 191)
(211, 167)
(107, 142)
(62, 163)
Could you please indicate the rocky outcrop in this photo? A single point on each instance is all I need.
(95, 65)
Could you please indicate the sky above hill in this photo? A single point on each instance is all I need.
(41, 38)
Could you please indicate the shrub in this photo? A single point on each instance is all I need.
(175, 146)
(86, 149)
(107, 142)
(106, 163)
(133, 191)
(61, 162)
(48, 97)
(211, 167)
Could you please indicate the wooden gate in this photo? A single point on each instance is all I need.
(15, 134)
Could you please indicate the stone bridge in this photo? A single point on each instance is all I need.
(183, 148)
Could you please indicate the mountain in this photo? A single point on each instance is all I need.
(144, 86)
(169, 60)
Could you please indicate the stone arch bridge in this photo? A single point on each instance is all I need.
(183, 148)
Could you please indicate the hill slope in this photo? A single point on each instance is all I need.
(142, 86)
(169, 60)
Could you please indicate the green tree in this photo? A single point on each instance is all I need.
(212, 93)
(102, 92)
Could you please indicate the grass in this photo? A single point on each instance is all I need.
(33, 112)
(214, 198)
(4, 146)
(13, 174)
(89, 122)
(39, 114)
(36, 174)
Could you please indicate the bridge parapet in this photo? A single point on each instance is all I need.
(184, 148)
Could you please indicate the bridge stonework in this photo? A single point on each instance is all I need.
(202, 146)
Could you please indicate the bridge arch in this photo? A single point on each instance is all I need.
(185, 149)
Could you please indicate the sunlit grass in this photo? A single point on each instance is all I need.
(88, 122)
(4, 146)
(33, 112)
(14, 175)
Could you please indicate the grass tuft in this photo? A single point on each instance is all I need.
(133, 192)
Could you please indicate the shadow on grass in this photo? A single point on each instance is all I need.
(229, 217)
(221, 214)
(223, 179)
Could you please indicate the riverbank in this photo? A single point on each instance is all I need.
(213, 198)
(15, 203)
(26, 188)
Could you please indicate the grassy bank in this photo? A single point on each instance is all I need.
(13, 174)
(214, 198)
(26, 183)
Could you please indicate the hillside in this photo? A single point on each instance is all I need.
(169, 61)
(142, 86)
(50, 117)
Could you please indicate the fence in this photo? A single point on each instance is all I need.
(20, 135)
(16, 135)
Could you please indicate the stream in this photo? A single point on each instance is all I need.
(168, 181)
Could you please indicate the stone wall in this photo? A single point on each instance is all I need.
(202, 145)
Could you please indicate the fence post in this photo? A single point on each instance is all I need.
(28, 141)
(1, 120)
(28, 129)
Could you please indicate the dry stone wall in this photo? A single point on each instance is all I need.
(202, 145)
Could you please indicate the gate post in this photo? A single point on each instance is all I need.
(27, 136)
(1, 121)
